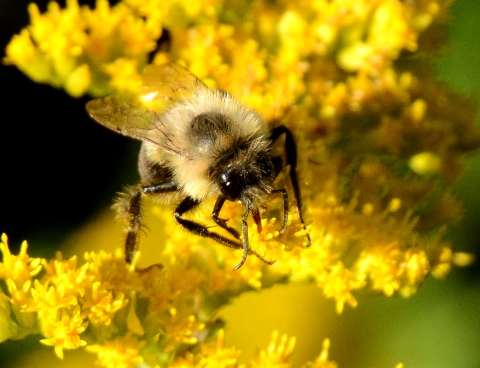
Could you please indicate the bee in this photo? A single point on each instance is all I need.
(196, 143)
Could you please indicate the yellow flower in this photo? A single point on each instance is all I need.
(122, 352)
(64, 332)
(218, 355)
(72, 47)
(339, 284)
(103, 305)
(277, 353)
(18, 268)
(322, 360)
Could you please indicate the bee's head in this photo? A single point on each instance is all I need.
(246, 176)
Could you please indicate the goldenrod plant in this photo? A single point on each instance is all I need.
(380, 142)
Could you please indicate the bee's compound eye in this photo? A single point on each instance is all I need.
(230, 185)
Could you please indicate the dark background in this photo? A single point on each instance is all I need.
(58, 166)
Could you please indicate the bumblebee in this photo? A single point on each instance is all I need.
(197, 143)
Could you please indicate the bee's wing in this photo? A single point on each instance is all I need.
(140, 117)
(164, 84)
(130, 119)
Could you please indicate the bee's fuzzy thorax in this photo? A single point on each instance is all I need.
(206, 127)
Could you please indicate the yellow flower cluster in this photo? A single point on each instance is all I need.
(124, 315)
(380, 143)
(83, 50)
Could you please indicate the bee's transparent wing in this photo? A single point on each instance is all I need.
(130, 119)
(139, 115)
(164, 84)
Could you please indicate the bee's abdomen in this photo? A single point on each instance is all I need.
(152, 172)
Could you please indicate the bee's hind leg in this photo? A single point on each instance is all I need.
(129, 209)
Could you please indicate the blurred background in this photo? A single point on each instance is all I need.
(60, 172)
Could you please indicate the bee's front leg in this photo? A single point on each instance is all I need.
(198, 229)
(194, 227)
(222, 222)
